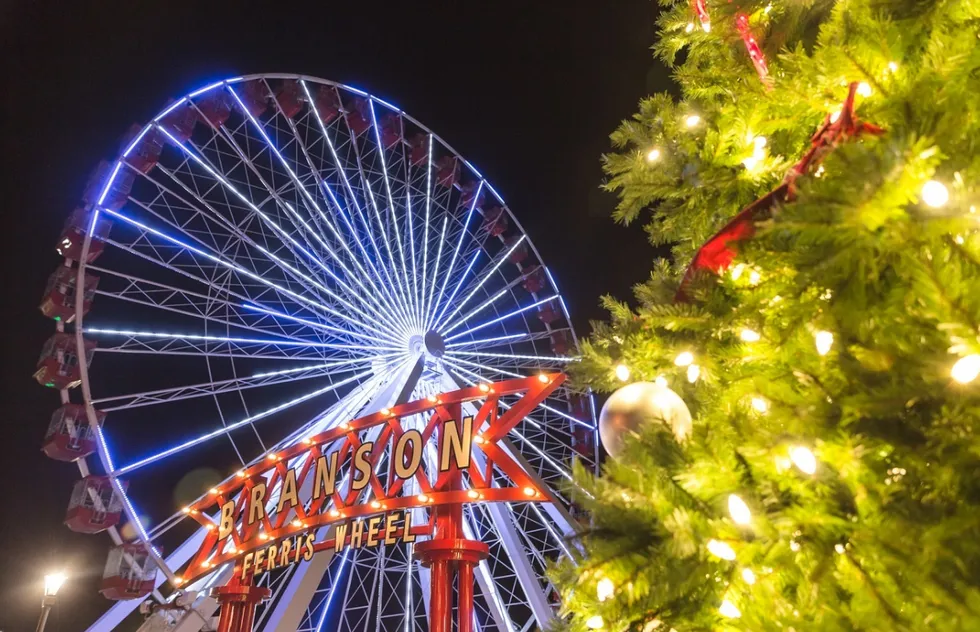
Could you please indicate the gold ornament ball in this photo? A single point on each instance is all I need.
(637, 404)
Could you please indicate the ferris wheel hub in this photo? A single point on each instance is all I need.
(434, 344)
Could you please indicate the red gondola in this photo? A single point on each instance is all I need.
(215, 108)
(59, 295)
(391, 130)
(73, 235)
(95, 505)
(469, 193)
(145, 154)
(495, 221)
(327, 104)
(447, 171)
(583, 441)
(130, 573)
(548, 313)
(289, 96)
(179, 122)
(69, 435)
(534, 280)
(420, 150)
(520, 252)
(358, 117)
(58, 365)
(561, 343)
(255, 97)
(117, 193)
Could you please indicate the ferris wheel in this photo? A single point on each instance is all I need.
(270, 257)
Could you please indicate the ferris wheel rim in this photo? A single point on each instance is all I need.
(103, 451)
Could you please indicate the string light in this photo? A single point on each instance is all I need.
(749, 335)
(966, 369)
(605, 589)
(594, 623)
(864, 89)
(737, 271)
(748, 576)
(839, 548)
(754, 277)
(721, 550)
(728, 609)
(684, 358)
(661, 381)
(693, 373)
(893, 66)
(653, 155)
(760, 405)
(692, 120)
(935, 194)
(824, 341)
(738, 510)
(689, 28)
(622, 372)
(803, 458)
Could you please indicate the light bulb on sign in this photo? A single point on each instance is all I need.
(622, 372)
(966, 369)
(824, 341)
(721, 550)
(728, 609)
(803, 458)
(935, 194)
(605, 589)
(738, 510)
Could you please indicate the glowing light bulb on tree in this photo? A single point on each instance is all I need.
(653, 155)
(728, 609)
(684, 358)
(622, 372)
(935, 194)
(864, 89)
(721, 550)
(749, 335)
(605, 589)
(824, 341)
(594, 623)
(693, 373)
(692, 120)
(966, 369)
(804, 459)
(738, 510)
(760, 405)
(748, 576)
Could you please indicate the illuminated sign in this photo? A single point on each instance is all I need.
(328, 491)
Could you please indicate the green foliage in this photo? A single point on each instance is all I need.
(885, 535)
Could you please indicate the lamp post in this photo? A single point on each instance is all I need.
(52, 583)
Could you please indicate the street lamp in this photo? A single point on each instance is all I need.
(52, 583)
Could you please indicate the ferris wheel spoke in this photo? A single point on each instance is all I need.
(392, 271)
(203, 389)
(308, 201)
(432, 317)
(331, 199)
(243, 271)
(391, 200)
(295, 219)
(515, 356)
(238, 424)
(449, 301)
(494, 321)
(352, 201)
(428, 212)
(174, 342)
(500, 261)
(506, 290)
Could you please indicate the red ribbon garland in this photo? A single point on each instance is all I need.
(755, 53)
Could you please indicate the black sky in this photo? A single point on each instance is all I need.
(528, 90)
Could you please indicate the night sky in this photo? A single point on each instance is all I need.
(527, 91)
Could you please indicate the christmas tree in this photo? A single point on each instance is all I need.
(819, 314)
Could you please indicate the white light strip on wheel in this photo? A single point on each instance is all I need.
(238, 424)
(504, 317)
(330, 593)
(327, 365)
(425, 237)
(310, 323)
(486, 278)
(283, 343)
(428, 305)
(284, 234)
(459, 243)
(514, 356)
(336, 202)
(350, 227)
(297, 183)
(459, 284)
(471, 343)
(232, 266)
